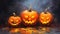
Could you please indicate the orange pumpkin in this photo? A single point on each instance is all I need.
(45, 17)
(29, 17)
(14, 20)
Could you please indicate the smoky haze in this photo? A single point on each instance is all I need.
(7, 7)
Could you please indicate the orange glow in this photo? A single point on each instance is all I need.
(28, 30)
(43, 30)
(14, 30)
(45, 18)
(46, 29)
(29, 17)
(14, 20)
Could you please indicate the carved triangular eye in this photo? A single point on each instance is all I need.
(26, 16)
(32, 16)
(17, 20)
(11, 20)
(47, 18)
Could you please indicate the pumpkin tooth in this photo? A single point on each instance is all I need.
(33, 21)
(26, 21)
(29, 21)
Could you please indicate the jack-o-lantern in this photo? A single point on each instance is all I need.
(29, 17)
(14, 20)
(45, 17)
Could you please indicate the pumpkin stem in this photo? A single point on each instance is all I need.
(29, 10)
(45, 12)
(14, 14)
(47, 9)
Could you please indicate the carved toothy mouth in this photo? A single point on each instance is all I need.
(29, 22)
(14, 23)
(45, 22)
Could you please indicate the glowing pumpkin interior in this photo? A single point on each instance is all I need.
(14, 20)
(45, 17)
(29, 17)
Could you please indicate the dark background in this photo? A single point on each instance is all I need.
(5, 11)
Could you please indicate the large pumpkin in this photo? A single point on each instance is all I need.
(14, 20)
(45, 17)
(29, 17)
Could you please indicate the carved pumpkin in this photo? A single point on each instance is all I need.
(29, 17)
(45, 17)
(14, 20)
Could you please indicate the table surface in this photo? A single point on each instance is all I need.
(30, 30)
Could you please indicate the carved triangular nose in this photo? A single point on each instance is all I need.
(29, 18)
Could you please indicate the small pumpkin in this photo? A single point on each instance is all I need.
(45, 17)
(14, 20)
(29, 17)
